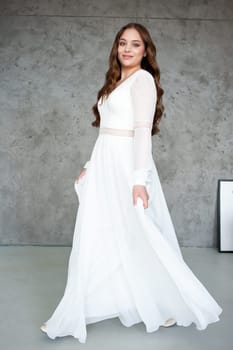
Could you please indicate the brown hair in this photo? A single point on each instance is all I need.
(148, 63)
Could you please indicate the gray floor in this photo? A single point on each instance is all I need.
(32, 281)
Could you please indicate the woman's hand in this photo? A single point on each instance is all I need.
(140, 191)
(81, 174)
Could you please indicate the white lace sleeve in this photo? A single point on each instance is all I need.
(144, 97)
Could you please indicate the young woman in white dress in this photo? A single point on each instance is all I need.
(125, 260)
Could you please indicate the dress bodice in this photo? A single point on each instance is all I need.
(131, 106)
(118, 110)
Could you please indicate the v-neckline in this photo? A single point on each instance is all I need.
(131, 75)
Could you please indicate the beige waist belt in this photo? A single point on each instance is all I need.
(116, 132)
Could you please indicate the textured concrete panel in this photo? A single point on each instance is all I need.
(51, 69)
(119, 8)
(47, 89)
(186, 9)
(197, 9)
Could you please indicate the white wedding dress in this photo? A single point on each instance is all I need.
(125, 260)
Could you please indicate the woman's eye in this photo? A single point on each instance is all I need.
(122, 43)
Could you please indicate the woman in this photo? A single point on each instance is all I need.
(125, 260)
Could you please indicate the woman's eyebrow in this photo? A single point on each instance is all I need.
(131, 40)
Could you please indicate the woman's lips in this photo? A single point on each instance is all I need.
(127, 56)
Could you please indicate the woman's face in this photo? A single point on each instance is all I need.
(131, 49)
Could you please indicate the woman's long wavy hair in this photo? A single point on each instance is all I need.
(148, 63)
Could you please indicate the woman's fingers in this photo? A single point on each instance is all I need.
(140, 191)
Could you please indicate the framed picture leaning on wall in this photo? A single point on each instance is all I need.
(225, 215)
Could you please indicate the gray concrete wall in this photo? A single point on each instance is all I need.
(53, 57)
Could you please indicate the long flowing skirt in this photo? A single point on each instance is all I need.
(125, 260)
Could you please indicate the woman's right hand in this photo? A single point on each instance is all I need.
(140, 191)
(81, 174)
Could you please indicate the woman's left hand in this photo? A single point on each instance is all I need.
(140, 191)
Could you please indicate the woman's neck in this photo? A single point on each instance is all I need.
(126, 72)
